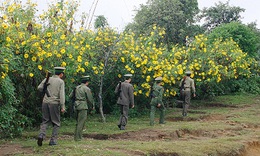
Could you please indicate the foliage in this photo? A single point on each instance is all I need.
(32, 44)
(219, 14)
(243, 35)
(12, 122)
(100, 22)
(175, 16)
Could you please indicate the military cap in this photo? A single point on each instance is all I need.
(128, 75)
(188, 72)
(59, 69)
(85, 78)
(158, 79)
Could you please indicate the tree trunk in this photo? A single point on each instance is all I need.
(103, 119)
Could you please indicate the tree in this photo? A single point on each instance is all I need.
(243, 35)
(175, 16)
(100, 22)
(219, 14)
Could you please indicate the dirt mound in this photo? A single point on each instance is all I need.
(211, 117)
(251, 149)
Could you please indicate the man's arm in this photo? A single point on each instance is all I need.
(131, 96)
(90, 98)
(62, 97)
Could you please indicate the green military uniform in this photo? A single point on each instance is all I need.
(157, 102)
(83, 97)
(52, 105)
(125, 100)
(189, 87)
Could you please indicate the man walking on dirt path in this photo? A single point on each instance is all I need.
(156, 102)
(187, 88)
(53, 103)
(125, 90)
(83, 96)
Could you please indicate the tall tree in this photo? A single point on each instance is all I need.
(175, 16)
(220, 13)
(100, 22)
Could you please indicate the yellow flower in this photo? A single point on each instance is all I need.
(56, 42)
(86, 63)
(87, 46)
(39, 67)
(49, 34)
(33, 58)
(4, 17)
(63, 64)
(62, 50)
(123, 59)
(8, 39)
(79, 59)
(3, 75)
(26, 56)
(49, 54)
(4, 25)
(31, 74)
(33, 37)
(42, 41)
(62, 37)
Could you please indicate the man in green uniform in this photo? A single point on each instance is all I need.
(125, 99)
(83, 97)
(186, 91)
(53, 103)
(156, 102)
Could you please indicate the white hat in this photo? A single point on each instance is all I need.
(59, 69)
(158, 79)
(128, 75)
(188, 72)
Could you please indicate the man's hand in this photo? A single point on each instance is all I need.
(159, 105)
(63, 110)
(133, 106)
(194, 95)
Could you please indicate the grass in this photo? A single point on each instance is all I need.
(222, 126)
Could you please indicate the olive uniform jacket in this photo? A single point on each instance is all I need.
(157, 95)
(83, 97)
(56, 90)
(188, 84)
(126, 95)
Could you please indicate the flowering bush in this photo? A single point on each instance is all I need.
(30, 45)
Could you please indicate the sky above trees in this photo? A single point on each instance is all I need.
(120, 12)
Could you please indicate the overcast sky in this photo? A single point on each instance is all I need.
(120, 12)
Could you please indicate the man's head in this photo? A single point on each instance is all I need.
(59, 71)
(188, 73)
(85, 79)
(128, 77)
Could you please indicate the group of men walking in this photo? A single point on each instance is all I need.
(54, 102)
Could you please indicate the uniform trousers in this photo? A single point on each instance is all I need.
(50, 115)
(152, 114)
(81, 117)
(124, 115)
(186, 98)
